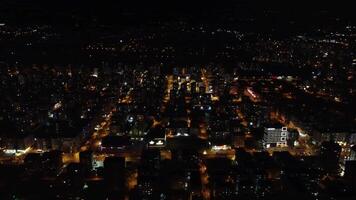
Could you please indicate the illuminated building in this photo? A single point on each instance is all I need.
(275, 137)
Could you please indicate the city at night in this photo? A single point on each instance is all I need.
(177, 100)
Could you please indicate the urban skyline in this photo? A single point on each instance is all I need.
(177, 100)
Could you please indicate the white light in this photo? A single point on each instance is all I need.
(301, 134)
(159, 142)
(57, 105)
(151, 142)
(222, 147)
(130, 119)
(10, 151)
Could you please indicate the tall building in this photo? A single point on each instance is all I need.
(330, 156)
(275, 136)
(114, 173)
(86, 159)
(352, 153)
(350, 172)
